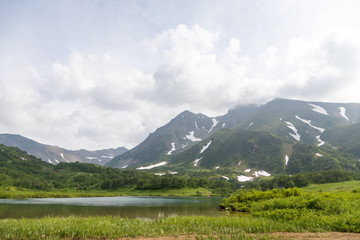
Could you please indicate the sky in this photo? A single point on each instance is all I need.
(95, 74)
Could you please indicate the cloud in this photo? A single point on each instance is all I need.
(320, 68)
(196, 73)
(101, 100)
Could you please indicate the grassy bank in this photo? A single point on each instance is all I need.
(202, 227)
(17, 193)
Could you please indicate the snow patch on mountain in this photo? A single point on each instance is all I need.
(50, 161)
(247, 170)
(286, 159)
(321, 142)
(342, 113)
(196, 126)
(110, 157)
(223, 125)
(319, 154)
(62, 155)
(196, 162)
(91, 158)
(318, 109)
(57, 161)
(205, 147)
(215, 122)
(172, 149)
(261, 173)
(173, 173)
(308, 122)
(249, 126)
(244, 178)
(152, 166)
(191, 137)
(217, 167)
(225, 177)
(160, 174)
(124, 166)
(292, 127)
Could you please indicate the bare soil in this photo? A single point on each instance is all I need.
(277, 235)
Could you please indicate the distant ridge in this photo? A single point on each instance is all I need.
(55, 155)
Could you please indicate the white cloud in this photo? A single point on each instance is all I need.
(96, 96)
(321, 67)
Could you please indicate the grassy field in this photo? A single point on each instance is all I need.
(328, 187)
(16, 193)
(200, 227)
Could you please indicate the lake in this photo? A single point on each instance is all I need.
(127, 207)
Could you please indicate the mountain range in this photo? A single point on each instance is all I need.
(280, 137)
(55, 155)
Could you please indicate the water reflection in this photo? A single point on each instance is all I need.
(129, 207)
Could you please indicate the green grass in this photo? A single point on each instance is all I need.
(328, 187)
(203, 227)
(16, 193)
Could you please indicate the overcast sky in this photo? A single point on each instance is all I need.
(99, 73)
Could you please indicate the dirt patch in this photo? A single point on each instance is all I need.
(316, 236)
(277, 235)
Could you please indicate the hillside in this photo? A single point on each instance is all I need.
(55, 155)
(25, 172)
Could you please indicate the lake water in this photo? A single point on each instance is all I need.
(129, 207)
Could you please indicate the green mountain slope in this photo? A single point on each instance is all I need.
(345, 138)
(235, 149)
(249, 153)
(17, 169)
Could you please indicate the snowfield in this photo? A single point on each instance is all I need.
(321, 142)
(286, 159)
(191, 137)
(172, 149)
(308, 122)
(261, 173)
(249, 126)
(244, 178)
(152, 166)
(205, 147)
(318, 109)
(215, 122)
(342, 113)
(293, 128)
(196, 162)
(225, 177)
(160, 174)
